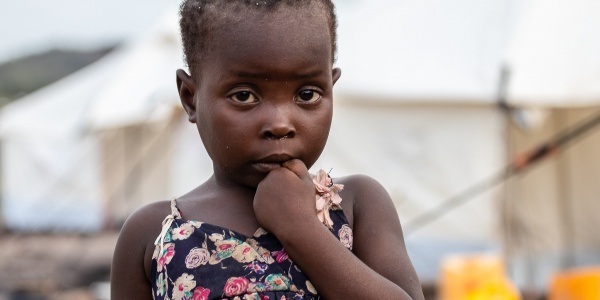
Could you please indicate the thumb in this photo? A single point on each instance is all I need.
(297, 167)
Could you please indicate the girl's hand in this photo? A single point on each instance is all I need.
(284, 204)
(285, 199)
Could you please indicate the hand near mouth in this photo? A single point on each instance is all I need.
(285, 199)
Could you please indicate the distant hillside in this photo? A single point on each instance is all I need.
(25, 75)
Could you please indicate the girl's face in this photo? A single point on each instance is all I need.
(264, 92)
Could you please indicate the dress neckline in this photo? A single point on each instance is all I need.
(178, 215)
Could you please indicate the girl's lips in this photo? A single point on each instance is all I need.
(266, 166)
(271, 162)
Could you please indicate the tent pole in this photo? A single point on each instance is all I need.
(567, 231)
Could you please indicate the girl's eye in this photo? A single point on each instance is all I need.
(244, 97)
(308, 96)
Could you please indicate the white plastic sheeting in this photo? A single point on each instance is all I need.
(430, 50)
(142, 88)
(553, 58)
(51, 184)
(422, 155)
(50, 175)
(53, 156)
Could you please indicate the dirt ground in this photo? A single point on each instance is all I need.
(55, 266)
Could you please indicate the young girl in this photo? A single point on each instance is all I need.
(262, 227)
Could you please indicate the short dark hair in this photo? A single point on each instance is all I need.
(195, 23)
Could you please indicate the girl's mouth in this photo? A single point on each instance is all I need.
(266, 166)
(271, 162)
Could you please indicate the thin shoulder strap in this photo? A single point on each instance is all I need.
(174, 210)
(166, 224)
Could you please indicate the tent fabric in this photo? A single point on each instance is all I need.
(51, 184)
(141, 89)
(422, 155)
(423, 51)
(58, 109)
(56, 153)
(49, 160)
(553, 58)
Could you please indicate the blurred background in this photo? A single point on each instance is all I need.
(481, 119)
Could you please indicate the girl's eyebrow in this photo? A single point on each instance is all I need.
(295, 75)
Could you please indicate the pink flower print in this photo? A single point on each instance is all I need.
(196, 258)
(236, 286)
(183, 286)
(263, 297)
(257, 267)
(225, 249)
(227, 245)
(346, 236)
(183, 232)
(243, 253)
(201, 293)
(165, 257)
(280, 256)
(326, 197)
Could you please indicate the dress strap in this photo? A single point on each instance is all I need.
(174, 210)
(166, 224)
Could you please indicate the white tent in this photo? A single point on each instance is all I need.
(432, 51)
(553, 57)
(49, 173)
(70, 151)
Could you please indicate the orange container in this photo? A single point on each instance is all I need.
(475, 277)
(577, 284)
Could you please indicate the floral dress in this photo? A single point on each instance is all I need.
(196, 260)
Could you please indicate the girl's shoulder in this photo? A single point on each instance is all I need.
(134, 249)
(359, 183)
(147, 220)
(142, 228)
(362, 193)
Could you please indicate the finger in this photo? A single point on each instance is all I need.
(297, 167)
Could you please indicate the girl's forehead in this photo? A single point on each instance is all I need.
(308, 23)
(293, 38)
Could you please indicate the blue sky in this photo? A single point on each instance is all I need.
(30, 26)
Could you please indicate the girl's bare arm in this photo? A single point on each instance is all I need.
(128, 276)
(378, 266)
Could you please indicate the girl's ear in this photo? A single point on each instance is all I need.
(335, 74)
(187, 90)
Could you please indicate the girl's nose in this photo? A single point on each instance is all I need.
(279, 124)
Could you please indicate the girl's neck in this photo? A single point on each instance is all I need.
(220, 184)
